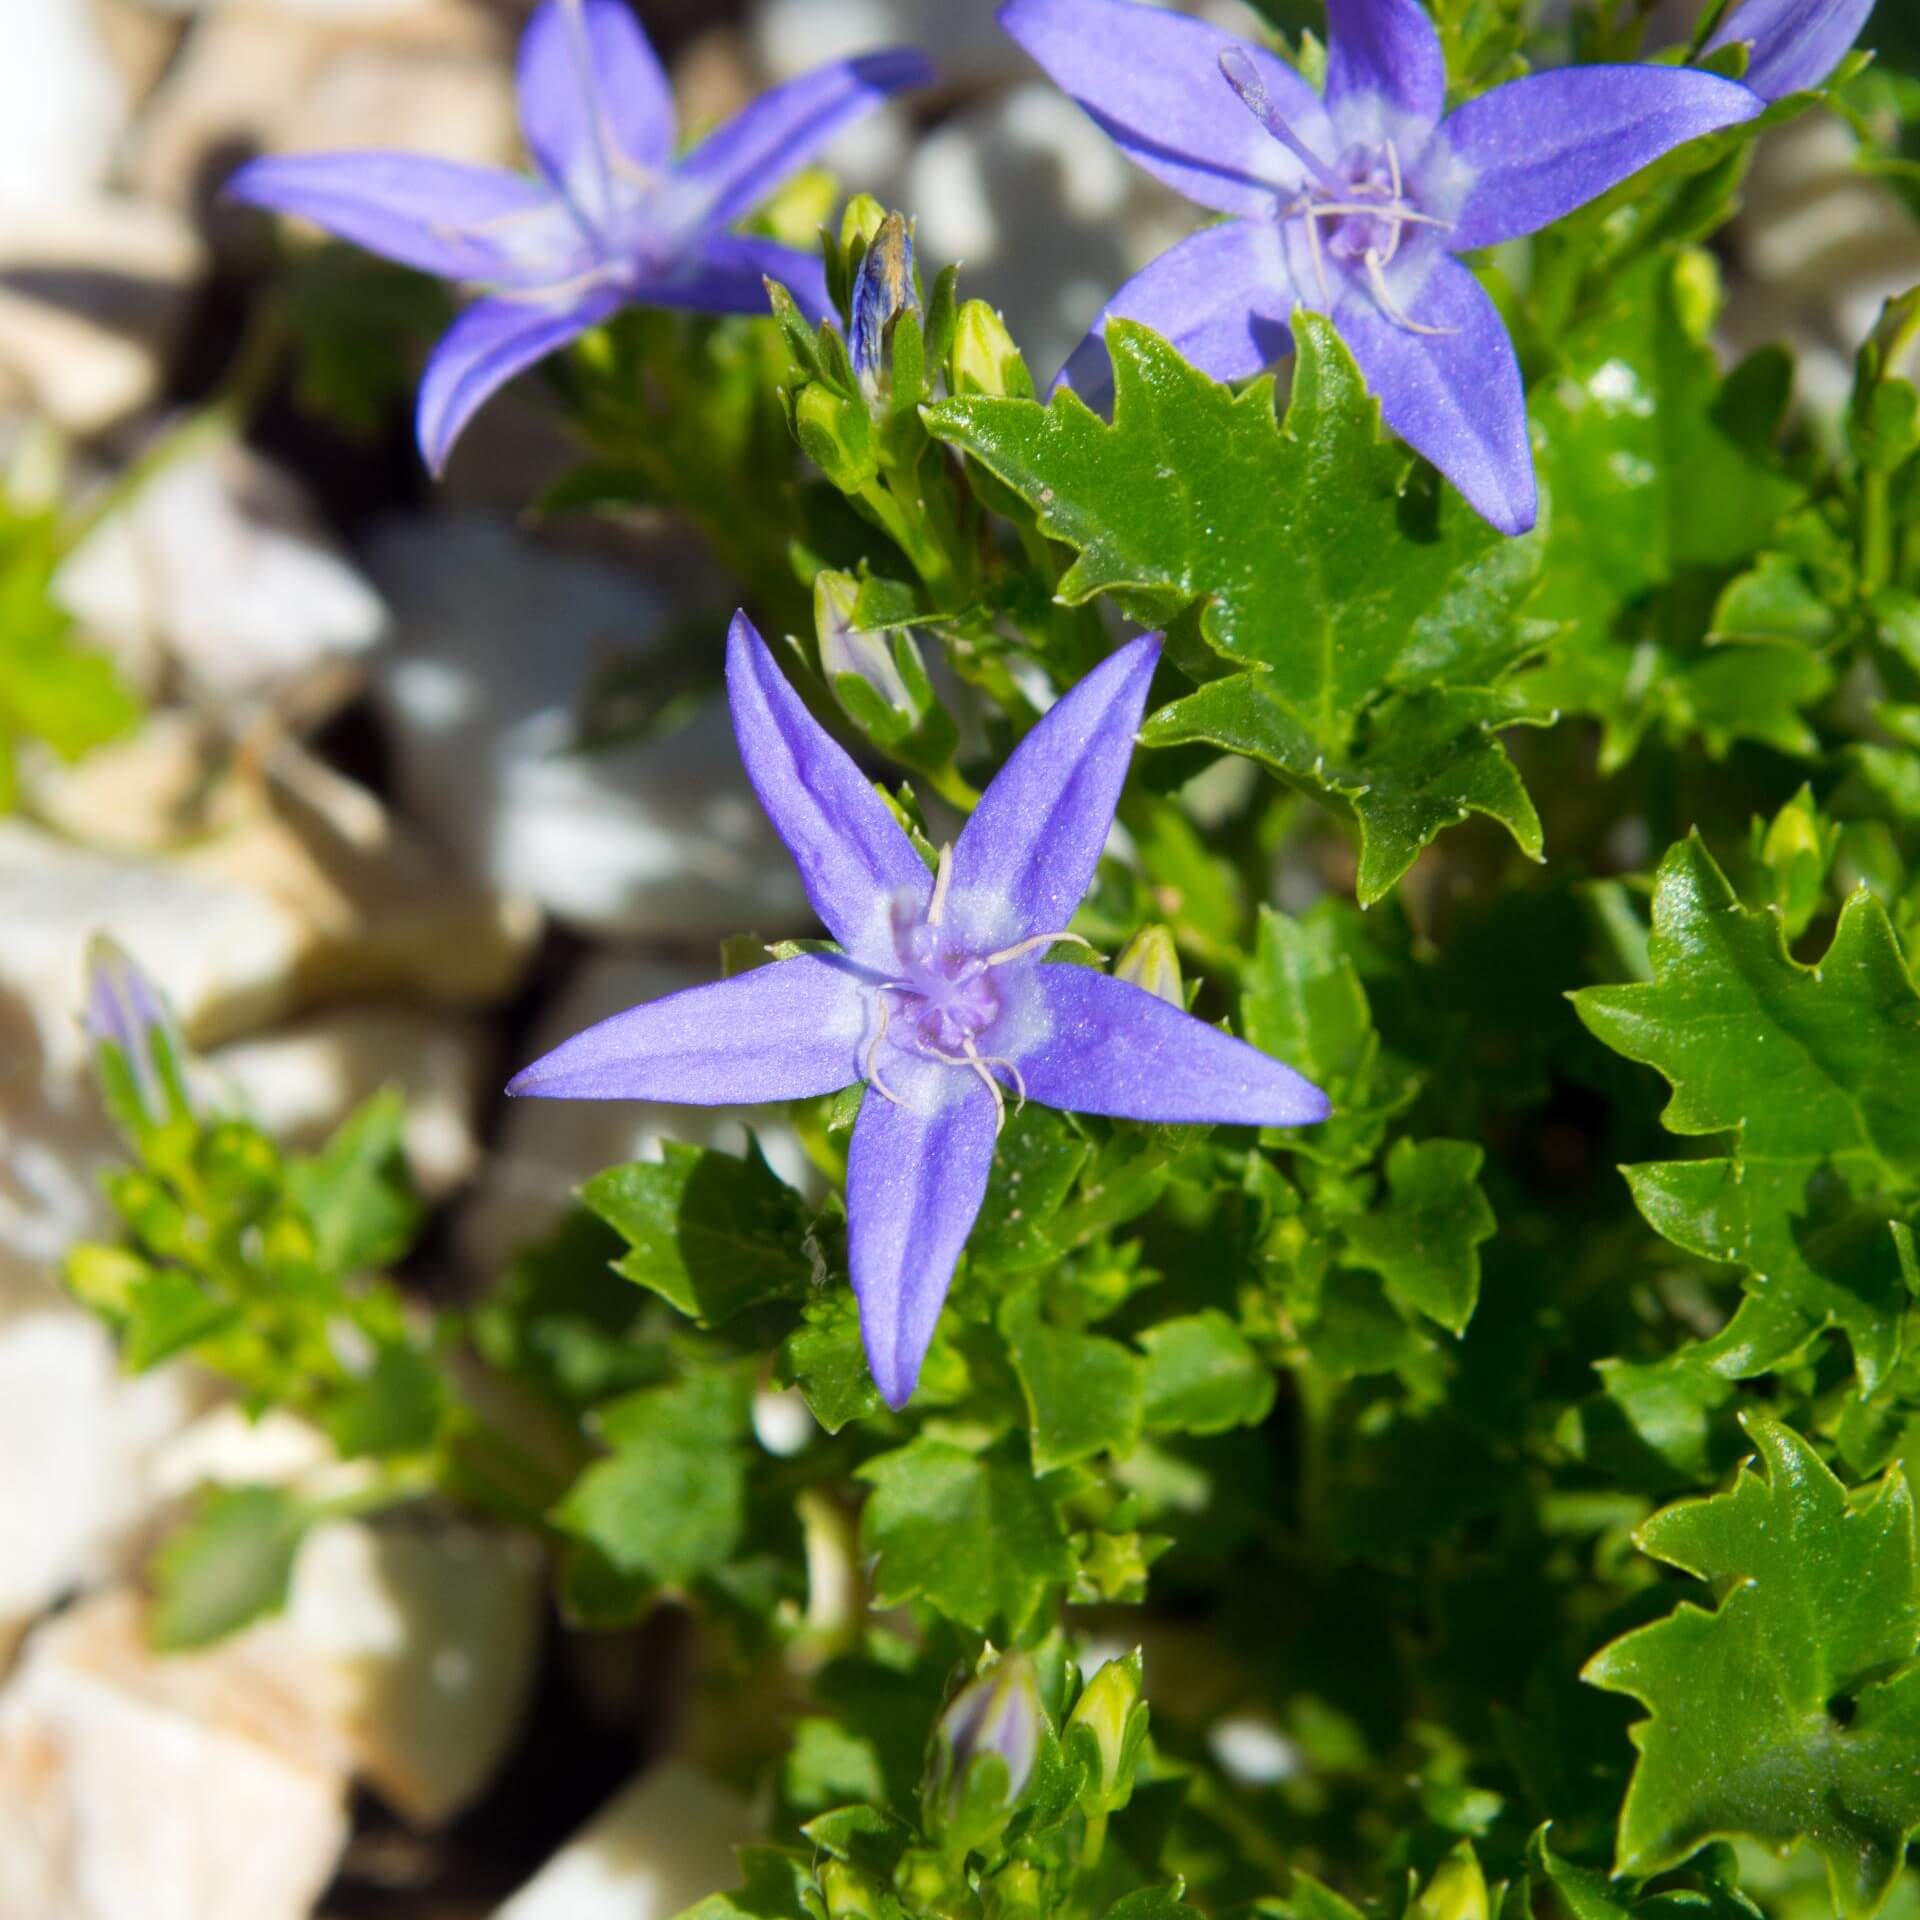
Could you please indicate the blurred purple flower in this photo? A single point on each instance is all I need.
(1792, 44)
(941, 1000)
(612, 218)
(1354, 204)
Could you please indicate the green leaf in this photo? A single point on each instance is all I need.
(671, 1503)
(357, 1192)
(1663, 487)
(1036, 1163)
(973, 1535)
(711, 1234)
(1375, 617)
(1792, 1711)
(169, 1312)
(1424, 1241)
(1203, 1376)
(1811, 1071)
(823, 1357)
(779, 1886)
(1083, 1391)
(1303, 1003)
(228, 1565)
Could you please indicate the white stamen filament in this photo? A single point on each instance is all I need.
(1377, 279)
(873, 1057)
(1034, 944)
(942, 880)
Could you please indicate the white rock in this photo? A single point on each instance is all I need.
(141, 1787)
(224, 954)
(221, 563)
(547, 1147)
(62, 107)
(495, 641)
(435, 78)
(1820, 246)
(302, 1079)
(77, 1443)
(1046, 216)
(663, 1843)
(93, 294)
(963, 41)
(419, 1646)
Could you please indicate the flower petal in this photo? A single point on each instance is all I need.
(1025, 859)
(440, 216)
(1455, 396)
(1796, 43)
(593, 98)
(1222, 296)
(782, 1032)
(490, 343)
(740, 164)
(1386, 73)
(729, 274)
(1518, 158)
(854, 860)
(1152, 80)
(914, 1185)
(1116, 1049)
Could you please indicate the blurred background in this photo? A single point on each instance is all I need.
(395, 783)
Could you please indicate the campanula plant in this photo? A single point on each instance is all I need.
(941, 998)
(1390, 1397)
(614, 216)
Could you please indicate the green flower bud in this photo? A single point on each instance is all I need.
(863, 218)
(1457, 1891)
(850, 1895)
(837, 436)
(985, 360)
(1017, 1892)
(1152, 961)
(1108, 1725)
(1797, 848)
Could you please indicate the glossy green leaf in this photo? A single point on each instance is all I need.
(1663, 487)
(1791, 1712)
(974, 1535)
(710, 1233)
(1374, 617)
(1083, 1392)
(1424, 1238)
(1809, 1070)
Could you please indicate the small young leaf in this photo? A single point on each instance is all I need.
(226, 1566)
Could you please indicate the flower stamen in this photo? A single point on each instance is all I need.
(1377, 279)
(873, 1055)
(1239, 72)
(942, 880)
(1036, 943)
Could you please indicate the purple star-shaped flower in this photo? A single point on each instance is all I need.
(1355, 203)
(941, 999)
(1792, 45)
(613, 217)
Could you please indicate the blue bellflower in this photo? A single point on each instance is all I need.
(1355, 203)
(612, 218)
(941, 999)
(1792, 45)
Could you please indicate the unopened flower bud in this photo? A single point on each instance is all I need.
(996, 1717)
(850, 1895)
(864, 217)
(137, 1048)
(1017, 1892)
(883, 290)
(1797, 848)
(985, 360)
(837, 436)
(847, 649)
(1457, 1891)
(1111, 1713)
(1152, 961)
